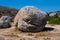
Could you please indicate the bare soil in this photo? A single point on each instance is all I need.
(50, 32)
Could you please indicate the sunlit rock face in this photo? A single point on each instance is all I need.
(31, 19)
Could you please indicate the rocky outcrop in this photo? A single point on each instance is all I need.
(7, 11)
(4, 21)
(30, 18)
(52, 14)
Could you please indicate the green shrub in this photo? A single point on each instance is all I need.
(54, 20)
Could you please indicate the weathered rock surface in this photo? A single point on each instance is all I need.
(4, 21)
(30, 18)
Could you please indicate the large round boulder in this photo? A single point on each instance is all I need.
(31, 19)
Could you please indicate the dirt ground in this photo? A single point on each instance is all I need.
(50, 32)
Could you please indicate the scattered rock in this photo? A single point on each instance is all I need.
(4, 21)
(30, 18)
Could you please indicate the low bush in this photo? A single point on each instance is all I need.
(54, 20)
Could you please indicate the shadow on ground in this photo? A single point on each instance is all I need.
(48, 29)
(45, 29)
(5, 27)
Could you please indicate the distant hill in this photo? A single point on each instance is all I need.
(8, 11)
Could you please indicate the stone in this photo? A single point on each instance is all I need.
(52, 14)
(4, 21)
(30, 18)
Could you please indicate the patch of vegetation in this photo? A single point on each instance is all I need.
(54, 20)
(47, 38)
(22, 38)
(13, 33)
(54, 17)
(39, 34)
(36, 34)
(30, 34)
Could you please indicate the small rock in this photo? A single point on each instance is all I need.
(52, 14)
(4, 21)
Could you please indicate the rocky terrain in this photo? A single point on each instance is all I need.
(7, 16)
(6, 11)
(49, 32)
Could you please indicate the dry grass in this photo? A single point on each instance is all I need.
(39, 34)
(22, 38)
(36, 34)
(52, 24)
(47, 38)
(12, 33)
(30, 34)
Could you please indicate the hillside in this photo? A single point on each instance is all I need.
(50, 32)
(54, 17)
(7, 11)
